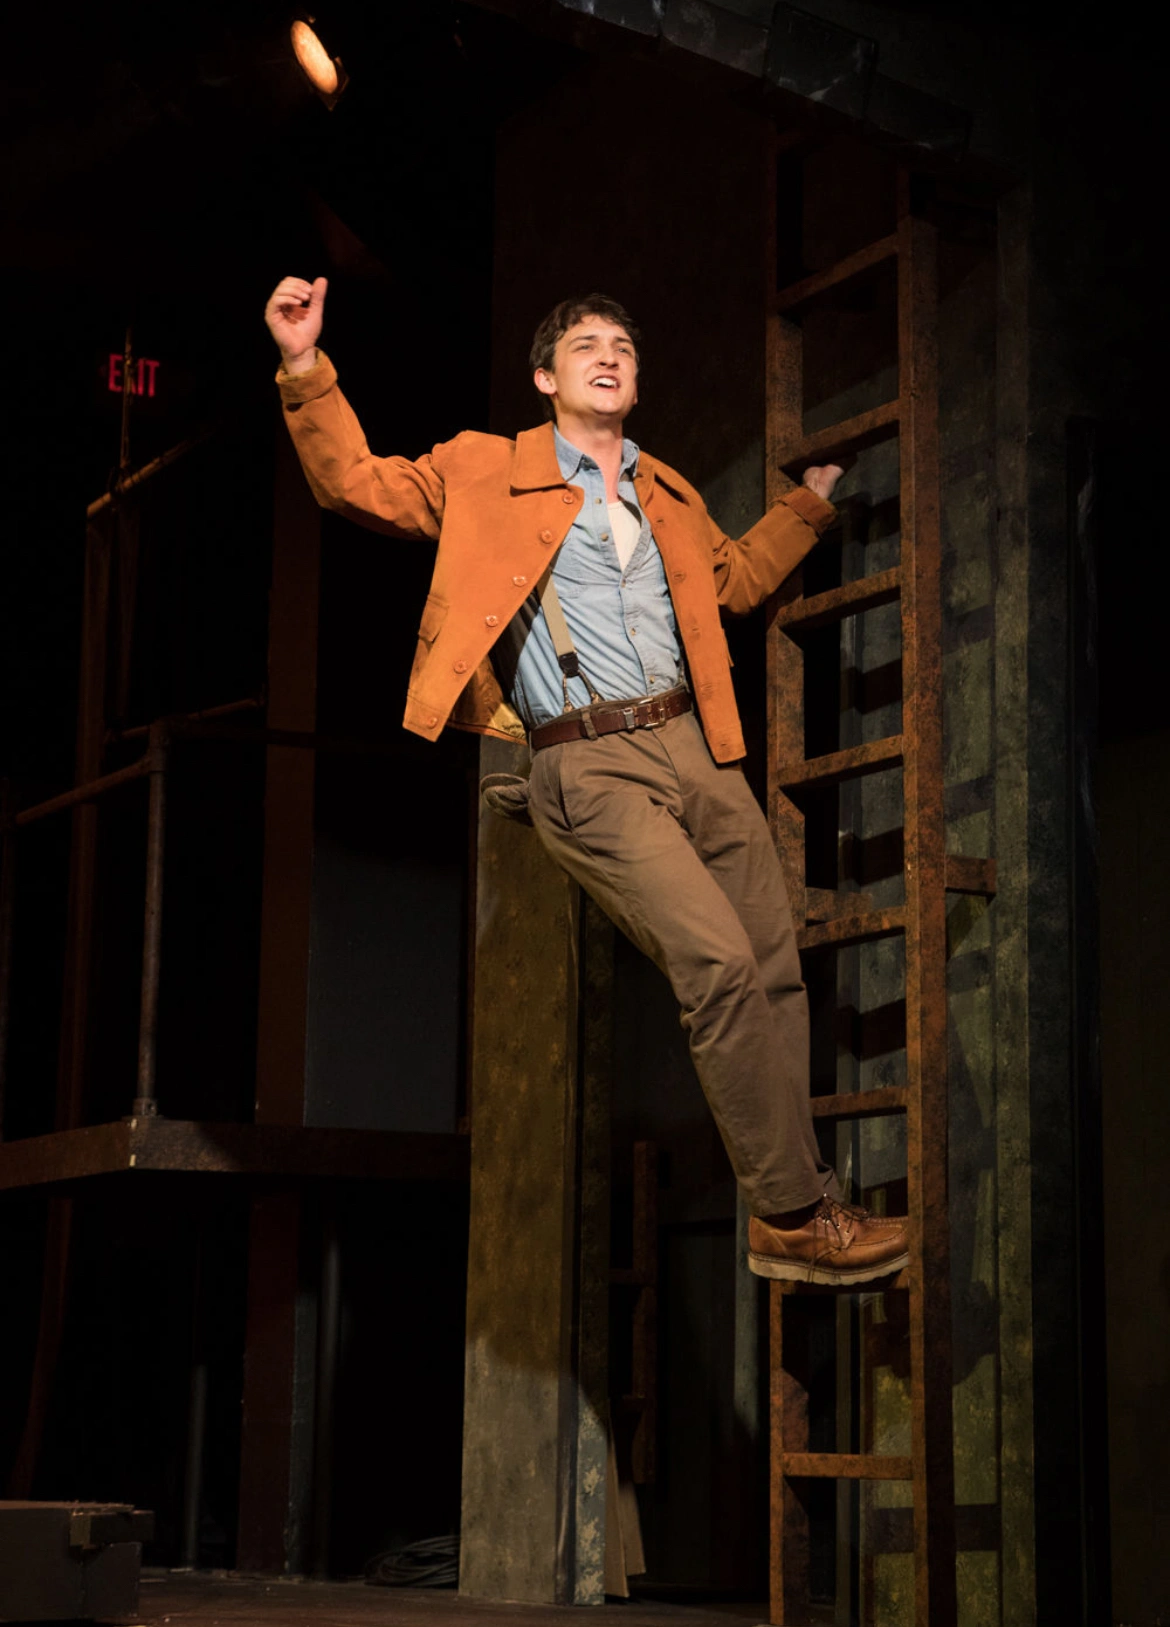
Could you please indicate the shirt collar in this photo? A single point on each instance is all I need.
(570, 458)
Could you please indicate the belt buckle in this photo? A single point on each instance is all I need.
(657, 709)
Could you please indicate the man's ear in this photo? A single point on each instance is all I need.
(544, 381)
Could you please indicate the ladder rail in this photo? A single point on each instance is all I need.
(921, 920)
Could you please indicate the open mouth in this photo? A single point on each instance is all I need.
(605, 383)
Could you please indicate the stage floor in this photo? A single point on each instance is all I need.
(170, 1600)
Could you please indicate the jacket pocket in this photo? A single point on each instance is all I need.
(433, 616)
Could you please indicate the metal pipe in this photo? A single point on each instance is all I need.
(163, 461)
(328, 1345)
(7, 905)
(89, 792)
(145, 1105)
(141, 730)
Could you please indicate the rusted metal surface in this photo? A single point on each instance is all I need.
(144, 1102)
(835, 766)
(970, 875)
(788, 1394)
(784, 659)
(839, 440)
(854, 265)
(850, 599)
(922, 920)
(925, 872)
(832, 904)
(137, 1146)
(846, 1466)
(852, 929)
(863, 1104)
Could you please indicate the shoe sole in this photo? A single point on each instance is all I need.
(767, 1265)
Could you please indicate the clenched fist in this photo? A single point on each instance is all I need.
(294, 315)
(823, 479)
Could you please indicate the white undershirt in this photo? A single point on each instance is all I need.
(626, 528)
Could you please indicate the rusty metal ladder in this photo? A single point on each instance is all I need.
(833, 920)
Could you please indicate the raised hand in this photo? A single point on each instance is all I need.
(294, 315)
(823, 479)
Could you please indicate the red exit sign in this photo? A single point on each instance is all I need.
(143, 375)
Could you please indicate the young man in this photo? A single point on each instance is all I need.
(638, 795)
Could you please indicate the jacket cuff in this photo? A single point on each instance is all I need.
(296, 388)
(818, 513)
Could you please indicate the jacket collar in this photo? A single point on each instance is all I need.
(534, 460)
(535, 466)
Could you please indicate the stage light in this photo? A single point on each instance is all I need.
(325, 73)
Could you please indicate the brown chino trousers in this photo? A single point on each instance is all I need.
(676, 851)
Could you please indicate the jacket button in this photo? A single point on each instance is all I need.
(491, 621)
(461, 666)
(432, 719)
(519, 581)
(568, 498)
(546, 536)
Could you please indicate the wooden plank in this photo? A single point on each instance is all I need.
(851, 599)
(871, 758)
(854, 265)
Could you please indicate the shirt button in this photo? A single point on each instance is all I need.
(605, 536)
(461, 666)
(519, 581)
(546, 536)
(568, 498)
(491, 621)
(597, 499)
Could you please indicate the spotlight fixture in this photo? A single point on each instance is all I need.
(325, 73)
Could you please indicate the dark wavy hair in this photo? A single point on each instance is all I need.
(566, 315)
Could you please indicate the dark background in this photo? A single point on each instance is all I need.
(166, 173)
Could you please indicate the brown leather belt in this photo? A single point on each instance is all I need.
(611, 717)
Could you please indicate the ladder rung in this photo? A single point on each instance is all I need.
(853, 435)
(970, 875)
(808, 287)
(828, 904)
(850, 764)
(853, 929)
(879, 1285)
(862, 1104)
(851, 599)
(845, 1466)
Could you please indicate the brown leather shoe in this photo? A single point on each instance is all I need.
(840, 1245)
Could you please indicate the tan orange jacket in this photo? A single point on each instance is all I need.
(499, 510)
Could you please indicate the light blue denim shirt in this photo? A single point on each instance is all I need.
(622, 622)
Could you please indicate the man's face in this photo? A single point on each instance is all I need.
(594, 372)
